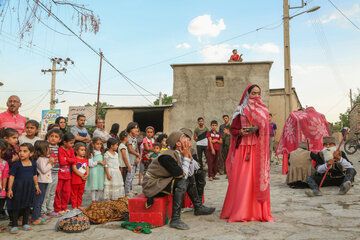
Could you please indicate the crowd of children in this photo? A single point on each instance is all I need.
(40, 177)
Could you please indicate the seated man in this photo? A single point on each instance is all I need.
(341, 171)
(300, 167)
(168, 173)
(235, 57)
(197, 175)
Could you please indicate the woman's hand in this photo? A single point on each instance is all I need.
(243, 132)
(109, 177)
(212, 151)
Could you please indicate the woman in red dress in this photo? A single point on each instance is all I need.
(247, 165)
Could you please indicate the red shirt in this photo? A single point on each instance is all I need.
(66, 158)
(235, 58)
(213, 136)
(9, 120)
(81, 165)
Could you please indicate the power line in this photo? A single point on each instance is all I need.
(344, 15)
(62, 91)
(131, 82)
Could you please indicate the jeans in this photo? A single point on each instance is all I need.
(200, 151)
(38, 201)
(48, 204)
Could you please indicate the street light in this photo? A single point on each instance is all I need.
(287, 66)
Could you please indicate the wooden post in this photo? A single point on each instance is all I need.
(98, 94)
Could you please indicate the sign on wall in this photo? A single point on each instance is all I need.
(48, 117)
(89, 113)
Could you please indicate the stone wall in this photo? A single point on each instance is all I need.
(354, 119)
(212, 90)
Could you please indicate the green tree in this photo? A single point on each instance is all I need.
(166, 100)
(102, 111)
(345, 117)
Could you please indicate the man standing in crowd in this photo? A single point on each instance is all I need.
(11, 117)
(79, 131)
(100, 131)
(224, 146)
(201, 140)
(272, 135)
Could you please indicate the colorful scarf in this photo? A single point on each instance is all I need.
(258, 115)
(299, 127)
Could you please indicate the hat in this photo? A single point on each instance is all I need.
(303, 145)
(328, 139)
(173, 138)
(187, 132)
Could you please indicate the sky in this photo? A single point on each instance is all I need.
(142, 38)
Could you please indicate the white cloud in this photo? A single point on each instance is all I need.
(183, 45)
(263, 48)
(216, 53)
(204, 26)
(353, 13)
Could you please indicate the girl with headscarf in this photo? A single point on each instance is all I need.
(247, 165)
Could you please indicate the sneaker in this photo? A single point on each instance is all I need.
(313, 193)
(344, 188)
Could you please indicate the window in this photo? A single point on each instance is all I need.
(219, 81)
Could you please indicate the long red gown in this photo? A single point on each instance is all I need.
(240, 203)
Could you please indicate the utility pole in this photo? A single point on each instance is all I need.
(287, 66)
(98, 94)
(351, 100)
(160, 98)
(53, 71)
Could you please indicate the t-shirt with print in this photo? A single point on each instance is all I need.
(201, 136)
(25, 139)
(134, 146)
(81, 165)
(214, 136)
(82, 132)
(272, 128)
(121, 160)
(54, 151)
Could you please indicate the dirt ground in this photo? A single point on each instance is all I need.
(330, 216)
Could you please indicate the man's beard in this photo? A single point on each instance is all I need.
(328, 153)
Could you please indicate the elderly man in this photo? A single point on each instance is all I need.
(341, 171)
(168, 173)
(11, 117)
(100, 131)
(79, 131)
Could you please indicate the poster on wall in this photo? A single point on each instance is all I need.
(48, 117)
(89, 113)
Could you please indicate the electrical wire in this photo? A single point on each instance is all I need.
(356, 26)
(62, 91)
(130, 81)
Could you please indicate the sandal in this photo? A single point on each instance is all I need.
(14, 230)
(2, 227)
(44, 221)
(26, 228)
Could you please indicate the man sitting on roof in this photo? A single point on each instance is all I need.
(235, 57)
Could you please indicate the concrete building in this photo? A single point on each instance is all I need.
(277, 107)
(354, 119)
(209, 90)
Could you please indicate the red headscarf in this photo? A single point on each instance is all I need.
(257, 114)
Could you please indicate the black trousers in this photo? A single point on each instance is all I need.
(201, 150)
(314, 181)
(15, 214)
